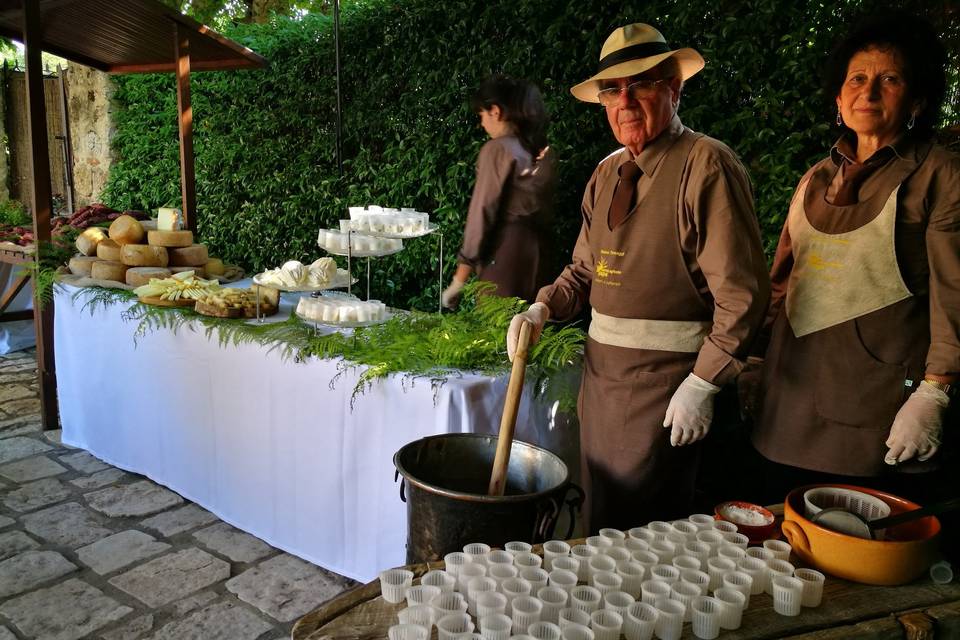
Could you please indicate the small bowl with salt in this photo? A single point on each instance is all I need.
(752, 520)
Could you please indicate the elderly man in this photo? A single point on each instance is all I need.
(669, 257)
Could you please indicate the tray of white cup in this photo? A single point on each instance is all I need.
(385, 222)
(341, 243)
(342, 311)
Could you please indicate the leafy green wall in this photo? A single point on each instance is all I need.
(267, 178)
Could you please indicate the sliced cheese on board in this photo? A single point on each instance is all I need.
(81, 265)
(193, 256)
(200, 271)
(126, 230)
(169, 219)
(88, 240)
(108, 250)
(170, 238)
(144, 255)
(139, 276)
(109, 270)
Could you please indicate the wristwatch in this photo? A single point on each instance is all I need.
(949, 389)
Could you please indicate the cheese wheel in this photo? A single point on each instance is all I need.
(143, 255)
(200, 272)
(126, 230)
(88, 240)
(108, 250)
(109, 270)
(192, 256)
(149, 224)
(170, 238)
(81, 265)
(139, 276)
(215, 267)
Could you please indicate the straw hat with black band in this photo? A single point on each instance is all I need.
(631, 50)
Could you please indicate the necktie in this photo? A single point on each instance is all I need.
(853, 177)
(623, 197)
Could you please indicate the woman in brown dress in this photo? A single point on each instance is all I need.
(864, 325)
(508, 231)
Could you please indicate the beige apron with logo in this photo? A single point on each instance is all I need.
(649, 321)
(828, 398)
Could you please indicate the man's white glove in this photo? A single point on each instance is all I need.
(537, 316)
(450, 297)
(690, 411)
(918, 426)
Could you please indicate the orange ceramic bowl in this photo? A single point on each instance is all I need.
(905, 555)
(732, 512)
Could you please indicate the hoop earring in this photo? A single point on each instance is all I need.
(912, 121)
(839, 119)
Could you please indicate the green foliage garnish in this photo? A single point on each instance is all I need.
(13, 213)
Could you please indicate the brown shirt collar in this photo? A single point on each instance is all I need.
(652, 154)
(844, 150)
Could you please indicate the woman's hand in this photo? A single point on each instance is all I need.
(450, 297)
(918, 426)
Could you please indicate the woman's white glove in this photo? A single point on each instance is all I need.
(450, 297)
(690, 411)
(537, 315)
(918, 426)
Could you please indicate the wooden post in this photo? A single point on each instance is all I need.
(41, 205)
(188, 184)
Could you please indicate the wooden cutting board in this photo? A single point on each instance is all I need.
(158, 302)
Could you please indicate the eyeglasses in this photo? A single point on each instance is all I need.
(635, 91)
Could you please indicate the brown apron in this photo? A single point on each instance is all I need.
(630, 471)
(521, 261)
(830, 393)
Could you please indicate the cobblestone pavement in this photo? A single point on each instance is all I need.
(90, 551)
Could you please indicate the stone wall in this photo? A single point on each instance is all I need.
(91, 128)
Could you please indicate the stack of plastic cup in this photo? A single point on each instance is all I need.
(618, 554)
(394, 584)
(665, 572)
(500, 572)
(646, 558)
(436, 578)
(787, 595)
(732, 604)
(563, 579)
(454, 562)
(615, 536)
(582, 553)
(536, 576)
(687, 529)
(725, 526)
(554, 599)
(585, 598)
(664, 549)
(606, 581)
(598, 542)
(495, 626)
(569, 616)
(632, 574)
(567, 563)
(553, 549)
(642, 533)
(527, 559)
(514, 588)
(639, 621)
(490, 602)
(420, 614)
(700, 579)
(699, 550)
(684, 593)
(761, 553)
(498, 556)
(600, 563)
(736, 539)
(756, 569)
(778, 568)
(470, 635)
(477, 551)
(731, 552)
(577, 632)
(636, 544)
(475, 587)
(706, 617)
(716, 567)
(518, 547)
(618, 601)
(741, 582)
(606, 624)
(660, 529)
(522, 636)
(654, 592)
(453, 624)
(422, 594)
(711, 537)
(670, 620)
(781, 550)
(446, 603)
(468, 572)
(407, 632)
(812, 586)
(525, 611)
(684, 561)
(544, 630)
(702, 521)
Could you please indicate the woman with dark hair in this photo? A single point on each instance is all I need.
(864, 324)
(507, 236)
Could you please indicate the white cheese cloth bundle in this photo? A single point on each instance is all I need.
(296, 274)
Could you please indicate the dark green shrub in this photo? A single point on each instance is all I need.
(267, 178)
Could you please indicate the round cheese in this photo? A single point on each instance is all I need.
(215, 267)
(170, 238)
(88, 240)
(192, 256)
(109, 270)
(126, 230)
(139, 276)
(199, 272)
(81, 265)
(149, 224)
(143, 255)
(108, 250)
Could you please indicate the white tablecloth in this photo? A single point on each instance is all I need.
(17, 334)
(268, 445)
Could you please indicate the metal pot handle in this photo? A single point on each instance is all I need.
(396, 474)
(574, 504)
(549, 512)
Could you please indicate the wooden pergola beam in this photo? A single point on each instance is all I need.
(188, 180)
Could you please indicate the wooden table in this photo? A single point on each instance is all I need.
(849, 611)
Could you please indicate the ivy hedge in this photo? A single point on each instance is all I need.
(265, 140)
